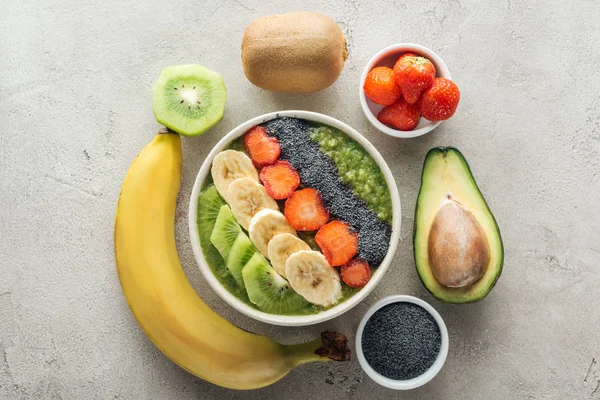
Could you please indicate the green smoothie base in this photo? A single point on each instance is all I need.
(356, 169)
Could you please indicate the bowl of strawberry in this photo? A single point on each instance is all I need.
(294, 218)
(406, 91)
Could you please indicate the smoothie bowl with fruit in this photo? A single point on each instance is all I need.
(294, 218)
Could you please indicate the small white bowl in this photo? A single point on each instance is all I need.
(419, 380)
(387, 58)
(293, 320)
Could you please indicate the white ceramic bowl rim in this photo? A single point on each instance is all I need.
(295, 320)
(419, 380)
(441, 71)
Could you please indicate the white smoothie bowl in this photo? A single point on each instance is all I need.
(293, 320)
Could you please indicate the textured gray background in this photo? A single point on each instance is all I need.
(75, 109)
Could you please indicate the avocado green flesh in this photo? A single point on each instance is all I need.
(446, 174)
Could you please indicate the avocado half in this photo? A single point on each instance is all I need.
(447, 178)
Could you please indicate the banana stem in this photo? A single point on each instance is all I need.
(305, 352)
(330, 346)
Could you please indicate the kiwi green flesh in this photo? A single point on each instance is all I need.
(189, 99)
(268, 290)
(208, 209)
(209, 206)
(225, 232)
(241, 251)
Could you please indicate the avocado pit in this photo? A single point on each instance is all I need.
(458, 248)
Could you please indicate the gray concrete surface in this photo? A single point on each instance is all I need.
(75, 108)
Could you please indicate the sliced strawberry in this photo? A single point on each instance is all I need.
(263, 149)
(337, 242)
(305, 210)
(356, 273)
(280, 179)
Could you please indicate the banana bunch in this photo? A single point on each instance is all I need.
(164, 303)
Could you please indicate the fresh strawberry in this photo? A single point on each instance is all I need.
(400, 115)
(440, 100)
(356, 273)
(280, 179)
(413, 75)
(337, 242)
(305, 211)
(263, 149)
(381, 87)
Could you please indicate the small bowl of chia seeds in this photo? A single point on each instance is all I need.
(402, 342)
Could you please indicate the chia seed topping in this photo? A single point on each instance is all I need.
(319, 172)
(401, 341)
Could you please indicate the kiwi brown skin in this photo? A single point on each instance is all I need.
(300, 52)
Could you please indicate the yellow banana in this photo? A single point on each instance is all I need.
(164, 303)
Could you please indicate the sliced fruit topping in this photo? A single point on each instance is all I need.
(242, 250)
(188, 99)
(228, 166)
(381, 87)
(247, 197)
(439, 102)
(310, 275)
(263, 149)
(209, 205)
(280, 179)
(225, 232)
(318, 171)
(400, 115)
(268, 290)
(356, 273)
(413, 75)
(305, 210)
(265, 225)
(281, 247)
(337, 242)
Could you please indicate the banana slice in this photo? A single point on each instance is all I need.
(228, 166)
(265, 225)
(281, 247)
(311, 276)
(246, 197)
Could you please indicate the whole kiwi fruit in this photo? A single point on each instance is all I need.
(301, 52)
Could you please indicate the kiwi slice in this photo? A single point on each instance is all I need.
(209, 205)
(225, 232)
(189, 99)
(241, 251)
(269, 290)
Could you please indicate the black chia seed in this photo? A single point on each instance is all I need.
(401, 341)
(319, 172)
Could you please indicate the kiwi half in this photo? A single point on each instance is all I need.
(269, 290)
(189, 99)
